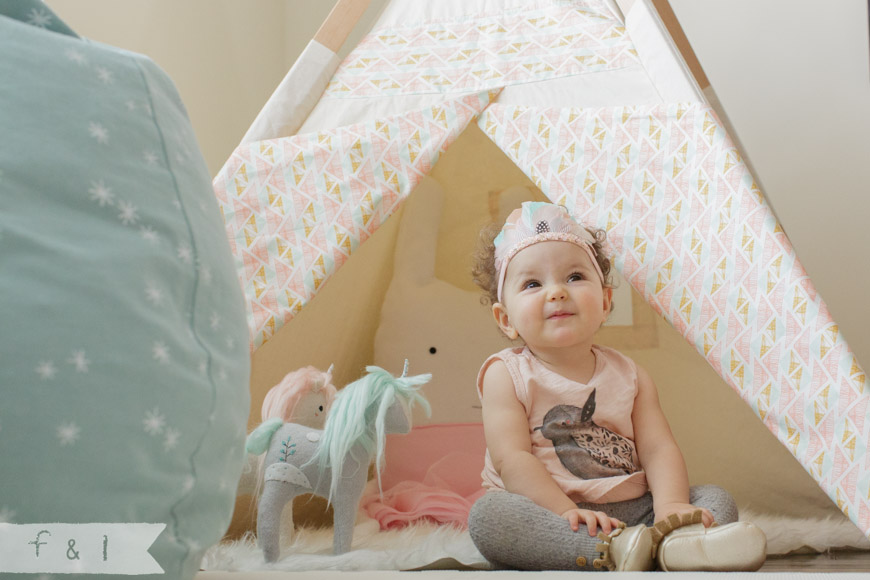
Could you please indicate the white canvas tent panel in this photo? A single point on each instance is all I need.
(621, 69)
(783, 354)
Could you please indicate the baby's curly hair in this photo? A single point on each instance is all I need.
(485, 275)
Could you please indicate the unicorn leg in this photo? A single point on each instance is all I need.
(345, 504)
(275, 496)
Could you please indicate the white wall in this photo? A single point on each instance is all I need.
(794, 79)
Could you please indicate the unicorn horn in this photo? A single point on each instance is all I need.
(405, 370)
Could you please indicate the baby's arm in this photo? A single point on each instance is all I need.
(659, 454)
(510, 447)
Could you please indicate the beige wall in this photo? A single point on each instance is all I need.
(224, 58)
(304, 17)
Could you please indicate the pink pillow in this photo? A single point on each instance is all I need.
(432, 473)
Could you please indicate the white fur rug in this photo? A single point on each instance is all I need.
(418, 546)
(429, 546)
(786, 535)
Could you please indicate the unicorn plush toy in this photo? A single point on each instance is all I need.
(332, 463)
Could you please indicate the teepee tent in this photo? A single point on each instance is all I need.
(585, 103)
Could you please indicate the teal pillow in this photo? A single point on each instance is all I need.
(124, 351)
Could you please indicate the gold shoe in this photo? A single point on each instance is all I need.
(684, 544)
(626, 549)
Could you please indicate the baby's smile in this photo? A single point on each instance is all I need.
(560, 314)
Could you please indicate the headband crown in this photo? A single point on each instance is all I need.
(535, 222)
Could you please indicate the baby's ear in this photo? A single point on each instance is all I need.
(499, 312)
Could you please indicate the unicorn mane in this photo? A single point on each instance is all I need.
(357, 417)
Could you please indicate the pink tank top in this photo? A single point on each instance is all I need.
(582, 433)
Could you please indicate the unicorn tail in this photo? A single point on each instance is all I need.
(258, 441)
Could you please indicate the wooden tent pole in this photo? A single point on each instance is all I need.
(340, 22)
(666, 13)
(296, 96)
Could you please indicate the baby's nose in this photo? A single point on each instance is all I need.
(557, 292)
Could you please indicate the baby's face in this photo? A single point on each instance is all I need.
(553, 297)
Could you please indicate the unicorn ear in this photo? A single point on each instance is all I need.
(420, 379)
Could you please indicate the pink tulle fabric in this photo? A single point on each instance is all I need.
(431, 474)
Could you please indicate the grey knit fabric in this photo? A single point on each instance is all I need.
(512, 532)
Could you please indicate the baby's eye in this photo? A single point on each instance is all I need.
(530, 284)
(575, 277)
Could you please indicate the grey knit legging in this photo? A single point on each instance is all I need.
(511, 531)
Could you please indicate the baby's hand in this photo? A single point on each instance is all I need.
(592, 520)
(664, 511)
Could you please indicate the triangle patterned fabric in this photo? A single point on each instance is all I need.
(481, 54)
(295, 208)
